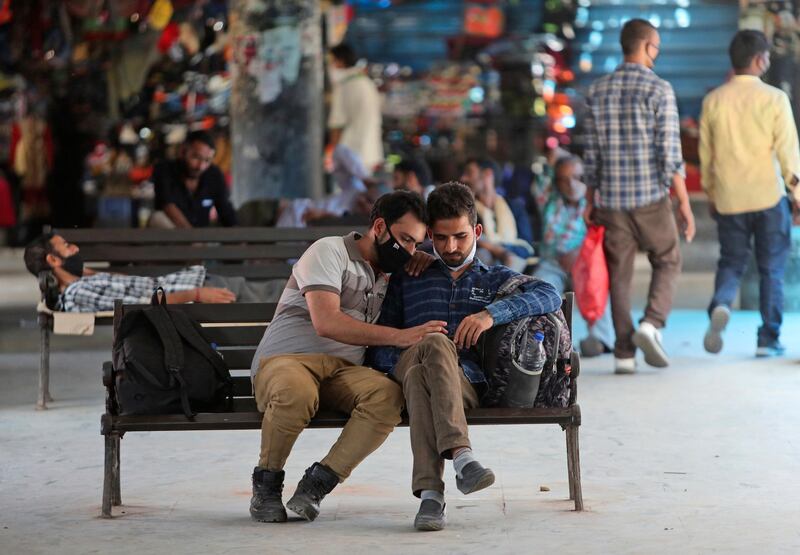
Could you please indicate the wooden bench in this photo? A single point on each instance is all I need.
(256, 253)
(237, 330)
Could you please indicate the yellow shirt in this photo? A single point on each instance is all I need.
(748, 146)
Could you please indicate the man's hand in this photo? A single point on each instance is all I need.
(471, 329)
(686, 219)
(412, 336)
(215, 295)
(419, 263)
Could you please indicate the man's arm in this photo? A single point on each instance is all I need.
(592, 160)
(706, 151)
(176, 215)
(668, 137)
(216, 295)
(330, 322)
(786, 147)
(222, 200)
(537, 297)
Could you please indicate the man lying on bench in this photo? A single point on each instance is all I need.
(85, 290)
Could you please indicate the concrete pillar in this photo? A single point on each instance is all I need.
(276, 103)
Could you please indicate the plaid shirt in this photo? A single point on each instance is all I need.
(633, 145)
(564, 228)
(97, 293)
(435, 296)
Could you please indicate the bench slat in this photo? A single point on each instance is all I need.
(188, 254)
(323, 419)
(270, 270)
(86, 236)
(221, 313)
(239, 358)
(245, 336)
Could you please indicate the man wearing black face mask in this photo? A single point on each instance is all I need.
(312, 354)
(84, 290)
(440, 375)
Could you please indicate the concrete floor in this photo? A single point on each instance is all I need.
(698, 458)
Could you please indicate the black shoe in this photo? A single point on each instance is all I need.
(266, 504)
(430, 517)
(317, 482)
(474, 477)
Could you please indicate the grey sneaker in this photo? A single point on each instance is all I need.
(712, 342)
(317, 482)
(430, 517)
(474, 477)
(592, 347)
(266, 504)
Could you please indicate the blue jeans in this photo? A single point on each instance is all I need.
(770, 230)
(551, 272)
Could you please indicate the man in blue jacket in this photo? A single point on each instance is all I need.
(440, 375)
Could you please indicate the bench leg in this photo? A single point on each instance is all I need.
(574, 467)
(111, 495)
(44, 370)
(117, 496)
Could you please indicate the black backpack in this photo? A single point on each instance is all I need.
(504, 347)
(163, 365)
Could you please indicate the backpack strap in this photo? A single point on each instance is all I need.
(183, 326)
(173, 350)
(557, 339)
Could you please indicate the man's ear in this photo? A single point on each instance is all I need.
(429, 233)
(53, 260)
(478, 231)
(379, 227)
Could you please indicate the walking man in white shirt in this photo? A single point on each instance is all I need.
(355, 118)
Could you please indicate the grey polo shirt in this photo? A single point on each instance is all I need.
(331, 264)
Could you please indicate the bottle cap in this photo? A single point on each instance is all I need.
(538, 336)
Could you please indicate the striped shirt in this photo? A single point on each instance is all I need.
(434, 295)
(97, 292)
(633, 146)
(331, 264)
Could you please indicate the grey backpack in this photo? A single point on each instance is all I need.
(505, 348)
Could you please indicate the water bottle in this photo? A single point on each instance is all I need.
(524, 375)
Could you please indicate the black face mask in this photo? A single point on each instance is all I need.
(73, 264)
(391, 256)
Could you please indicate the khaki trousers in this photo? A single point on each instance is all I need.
(651, 228)
(289, 389)
(437, 392)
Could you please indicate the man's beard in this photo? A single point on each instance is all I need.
(456, 258)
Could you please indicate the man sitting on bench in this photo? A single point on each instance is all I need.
(84, 290)
(312, 353)
(440, 375)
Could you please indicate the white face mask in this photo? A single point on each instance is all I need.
(578, 190)
(467, 261)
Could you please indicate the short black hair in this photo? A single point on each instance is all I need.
(345, 54)
(36, 254)
(486, 163)
(745, 46)
(393, 206)
(563, 160)
(633, 32)
(451, 200)
(417, 167)
(201, 137)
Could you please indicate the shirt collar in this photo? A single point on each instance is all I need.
(630, 66)
(351, 246)
(745, 78)
(476, 266)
